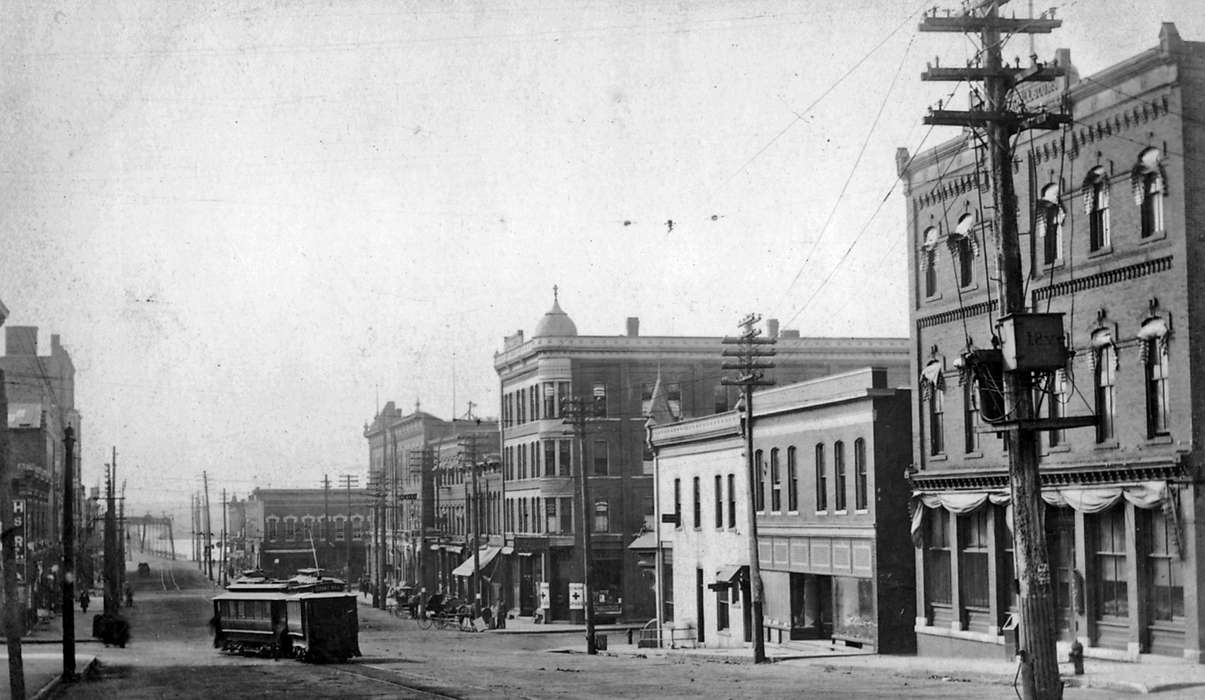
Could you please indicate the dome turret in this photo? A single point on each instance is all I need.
(556, 323)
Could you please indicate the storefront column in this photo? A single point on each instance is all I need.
(923, 617)
(1083, 607)
(959, 622)
(1134, 551)
(1191, 566)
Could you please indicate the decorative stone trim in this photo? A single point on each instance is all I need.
(958, 314)
(1101, 279)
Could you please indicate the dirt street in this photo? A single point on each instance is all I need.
(170, 656)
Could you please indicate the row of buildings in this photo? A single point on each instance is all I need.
(880, 495)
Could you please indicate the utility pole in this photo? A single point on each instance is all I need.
(68, 583)
(348, 481)
(208, 528)
(575, 411)
(375, 481)
(223, 577)
(111, 601)
(998, 124)
(468, 454)
(752, 373)
(9, 529)
(326, 510)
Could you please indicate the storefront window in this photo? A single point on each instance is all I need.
(1163, 570)
(937, 567)
(854, 613)
(1111, 593)
(973, 563)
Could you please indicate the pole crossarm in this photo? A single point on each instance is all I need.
(962, 24)
(1030, 74)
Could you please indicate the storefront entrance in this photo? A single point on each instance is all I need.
(811, 606)
(1060, 543)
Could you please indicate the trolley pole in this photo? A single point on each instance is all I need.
(752, 373)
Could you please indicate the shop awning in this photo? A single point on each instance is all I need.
(486, 556)
(725, 576)
(647, 540)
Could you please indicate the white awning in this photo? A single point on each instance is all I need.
(485, 555)
(647, 540)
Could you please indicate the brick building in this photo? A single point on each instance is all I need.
(303, 525)
(424, 468)
(616, 374)
(1109, 212)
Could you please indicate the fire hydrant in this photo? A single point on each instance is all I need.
(1076, 657)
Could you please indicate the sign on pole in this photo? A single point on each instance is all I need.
(577, 595)
(545, 596)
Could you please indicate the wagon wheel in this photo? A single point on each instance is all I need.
(423, 619)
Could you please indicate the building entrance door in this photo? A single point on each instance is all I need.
(527, 586)
(1060, 542)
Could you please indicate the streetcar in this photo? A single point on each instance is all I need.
(307, 617)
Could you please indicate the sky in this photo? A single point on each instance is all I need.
(253, 223)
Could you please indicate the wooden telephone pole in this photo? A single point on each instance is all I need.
(752, 373)
(576, 409)
(998, 124)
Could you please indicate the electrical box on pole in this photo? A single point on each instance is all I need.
(996, 122)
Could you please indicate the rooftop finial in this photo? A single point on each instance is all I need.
(417, 405)
(555, 290)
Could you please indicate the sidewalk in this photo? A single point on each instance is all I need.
(42, 656)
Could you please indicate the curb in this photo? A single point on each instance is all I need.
(47, 690)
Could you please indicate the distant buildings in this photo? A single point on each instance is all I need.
(616, 376)
(1110, 222)
(306, 528)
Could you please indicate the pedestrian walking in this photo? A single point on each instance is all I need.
(84, 599)
(129, 596)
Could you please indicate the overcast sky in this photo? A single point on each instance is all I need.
(249, 220)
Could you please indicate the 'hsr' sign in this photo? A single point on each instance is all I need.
(1033, 342)
(19, 530)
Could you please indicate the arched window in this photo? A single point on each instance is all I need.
(792, 481)
(273, 531)
(1153, 336)
(928, 261)
(290, 528)
(775, 482)
(821, 479)
(839, 475)
(1104, 355)
(861, 480)
(962, 245)
(1147, 181)
(1096, 206)
(1049, 221)
(759, 497)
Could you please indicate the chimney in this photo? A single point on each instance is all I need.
(21, 341)
(633, 326)
(878, 377)
(771, 328)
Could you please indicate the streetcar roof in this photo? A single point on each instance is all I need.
(254, 595)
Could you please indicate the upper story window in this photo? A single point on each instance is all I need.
(601, 461)
(1096, 206)
(970, 417)
(821, 479)
(861, 479)
(673, 398)
(677, 503)
(1153, 337)
(1147, 180)
(775, 482)
(602, 517)
(599, 393)
(719, 501)
(792, 481)
(1104, 355)
(928, 261)
(932, 385)
(1049, 222)
(962, 243)
(839, 475)
(732, 500)
(697, 510)
(1056, 398)
(273, 524)
(290, 528)
(759, 466)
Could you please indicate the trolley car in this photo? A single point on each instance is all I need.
(307, 617)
